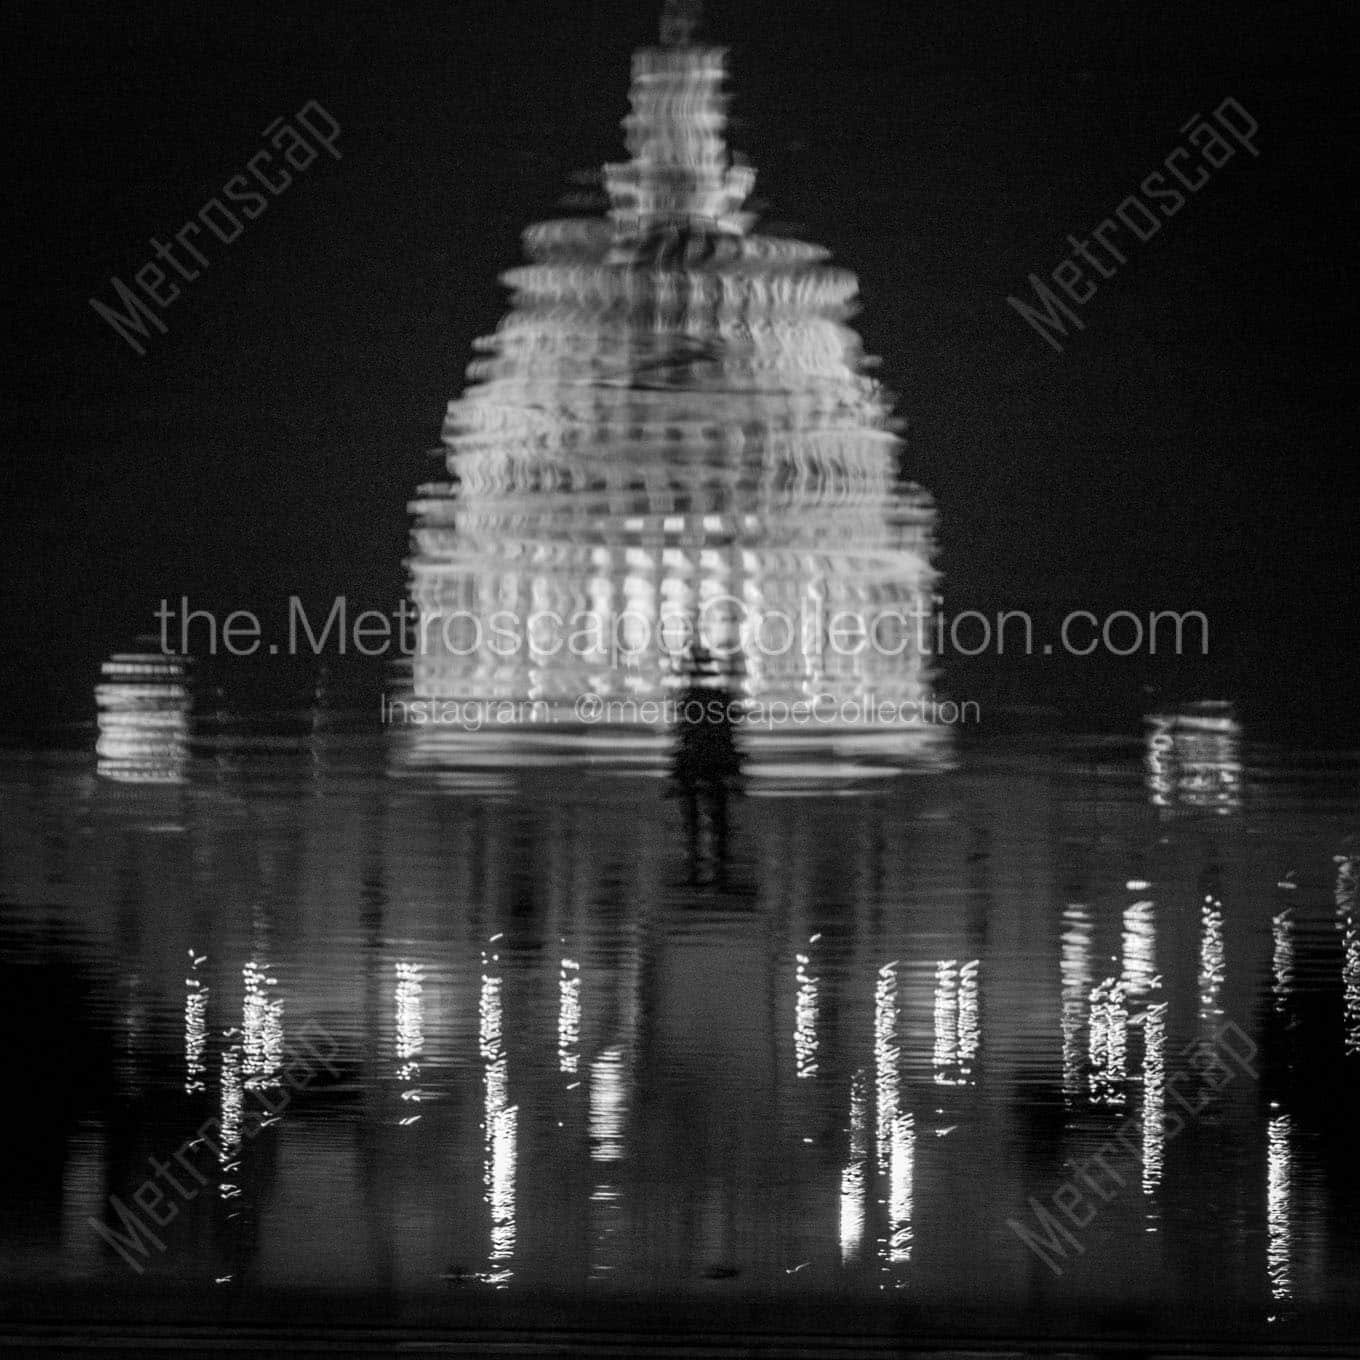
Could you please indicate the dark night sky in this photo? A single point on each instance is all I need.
(1193, 447)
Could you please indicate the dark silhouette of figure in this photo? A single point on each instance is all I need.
(706, 762)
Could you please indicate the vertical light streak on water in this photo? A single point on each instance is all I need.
(1282, 960)
(1351, 985)
(608, 1106)
(1347, 924)
(504, 1155)
(946, 1052)
(261, 1028)
(970, 1030)
(1154, 1097)
(1279, 1226)
(1108, 1046)
(1075, 968)
(1140, 948)
(887, 1058)
(1159, 763)
(901, 1189)
(82, 1200)
(499, 1126)
(409, 1003)
(608, 1111)
(853, 1174)
(569, 1016)
(230, 1119)
(1211, 962)
(805, 1042)
(195, 1026)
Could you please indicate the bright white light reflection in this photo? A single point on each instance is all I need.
(887, 1057)
(499, 1128)
(805, 1016)
(957, 1032)
(608, 1106)
(409, 1000)
(608, 1110)
(502, 1192)
(1350, 950)
(1159, 763)
(946, 1020)
(261, 1028)
(853, 1173)
(1282, 966)
(569, 1017)
(1211, 961)
(1280, 1234)
(901, 1177)
(1140, 948)
(1075, 967)
(1154, 1095)
(1108, 1043)
(969, 1030)
(195, 1025)
(143, 719)
(232, 1111)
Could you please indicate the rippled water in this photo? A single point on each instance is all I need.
(548, 1064)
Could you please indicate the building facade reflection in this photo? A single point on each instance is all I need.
(1193, 759)
(913, 1018)
(143, 702)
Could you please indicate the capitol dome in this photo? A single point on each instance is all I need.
(670, 435)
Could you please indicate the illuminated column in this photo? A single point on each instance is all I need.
(1349, 927)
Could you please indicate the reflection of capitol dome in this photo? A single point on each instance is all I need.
(669, 429)
(143, 718)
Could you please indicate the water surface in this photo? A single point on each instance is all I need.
(563, 1070)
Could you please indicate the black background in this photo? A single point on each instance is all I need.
(1192, 448)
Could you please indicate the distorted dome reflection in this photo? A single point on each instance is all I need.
(670, 426)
